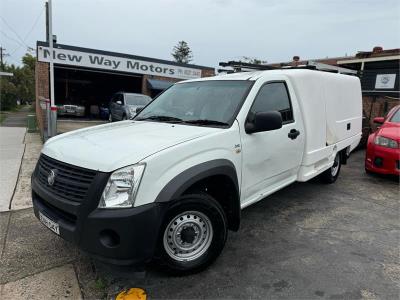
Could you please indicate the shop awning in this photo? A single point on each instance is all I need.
(156, 84)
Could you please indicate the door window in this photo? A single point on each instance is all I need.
(273, 96)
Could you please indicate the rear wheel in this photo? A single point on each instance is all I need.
(193, 235)
(330, 175)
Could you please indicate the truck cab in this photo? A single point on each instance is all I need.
(169, 184)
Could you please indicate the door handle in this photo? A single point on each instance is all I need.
(293, 134)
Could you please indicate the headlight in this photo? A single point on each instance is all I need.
(385, 142)
(121, 188)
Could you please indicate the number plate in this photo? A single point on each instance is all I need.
(53, 226)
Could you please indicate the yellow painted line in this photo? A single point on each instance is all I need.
(132, 294)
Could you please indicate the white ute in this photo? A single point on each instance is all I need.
(168, 184)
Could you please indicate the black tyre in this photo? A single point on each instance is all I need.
(330, 175)
(193, 234)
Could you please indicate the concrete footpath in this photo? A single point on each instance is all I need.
(12, 148)
(21, 234)
(27, 276)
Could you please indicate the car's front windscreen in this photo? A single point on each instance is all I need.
(137, 100)
(396, 117)
(213, 103)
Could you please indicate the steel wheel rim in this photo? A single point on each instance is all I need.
(177, 247)
(335, 167)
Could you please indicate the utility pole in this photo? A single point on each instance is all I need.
(1, 56)
(52, 123)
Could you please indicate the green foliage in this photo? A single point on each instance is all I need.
(20, 86)
(182, 53)
(253, 60)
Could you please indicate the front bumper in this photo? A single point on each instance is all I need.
(118, 236)
(382, 160)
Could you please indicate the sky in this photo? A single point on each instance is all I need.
(216, 30)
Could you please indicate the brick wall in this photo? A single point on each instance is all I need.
(145, 88)
(207, 73)
(377, 106)
(42, 91)
(374, 106)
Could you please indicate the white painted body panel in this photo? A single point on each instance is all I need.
(109, 147)
(163, 166)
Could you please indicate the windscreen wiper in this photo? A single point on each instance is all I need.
(161, 118)
(206, 122)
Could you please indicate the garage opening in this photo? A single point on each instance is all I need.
(85, 94)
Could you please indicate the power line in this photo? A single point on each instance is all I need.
(34, 24)
(23, 44)
(11, 38)
(12, 29)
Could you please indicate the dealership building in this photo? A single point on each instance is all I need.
(89, 77)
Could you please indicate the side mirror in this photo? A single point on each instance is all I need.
(379, 120)
(264, 121)
(119, 102)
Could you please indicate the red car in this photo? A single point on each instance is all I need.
(383, 147)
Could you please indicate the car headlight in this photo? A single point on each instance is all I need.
(386, 142)
(121, 188)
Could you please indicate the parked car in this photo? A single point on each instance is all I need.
(124, 106)
(71, 110)
(383, 150)
(168, 184)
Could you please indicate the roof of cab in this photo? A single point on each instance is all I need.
(233, 76)
(259, 74)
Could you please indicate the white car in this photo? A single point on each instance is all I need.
(125, 106)
(71, 110)
(168, 184)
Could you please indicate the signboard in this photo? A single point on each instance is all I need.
(115, 63)
(385, 81)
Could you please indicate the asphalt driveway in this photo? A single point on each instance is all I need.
(308, 241)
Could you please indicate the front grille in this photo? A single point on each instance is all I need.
(71, 182)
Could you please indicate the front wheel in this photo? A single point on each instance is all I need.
(194, 234)
(330, 175)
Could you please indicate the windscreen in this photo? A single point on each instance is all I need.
(396, 117)
(216, 100)
(137, 99)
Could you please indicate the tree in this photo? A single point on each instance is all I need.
(182, 53)
(253, 60)
(20, 86)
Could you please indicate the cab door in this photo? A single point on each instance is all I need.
(271, 159)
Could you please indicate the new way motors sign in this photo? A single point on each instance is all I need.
(115, 63)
